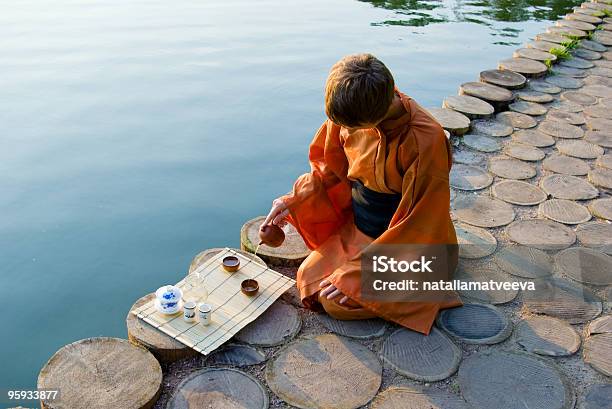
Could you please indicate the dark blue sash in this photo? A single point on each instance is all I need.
(373, 210)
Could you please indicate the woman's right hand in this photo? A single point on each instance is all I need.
(277, 214)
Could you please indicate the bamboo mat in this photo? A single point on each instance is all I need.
(231, 309)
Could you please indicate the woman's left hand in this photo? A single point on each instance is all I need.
(330, 290)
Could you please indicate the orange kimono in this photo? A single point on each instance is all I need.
(409, 155)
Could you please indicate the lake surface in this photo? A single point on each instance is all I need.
(135, 134)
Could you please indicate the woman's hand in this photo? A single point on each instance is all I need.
(330, 290)
(277, 214)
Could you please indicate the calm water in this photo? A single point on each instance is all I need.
(135, 134)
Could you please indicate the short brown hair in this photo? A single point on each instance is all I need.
(359, 90)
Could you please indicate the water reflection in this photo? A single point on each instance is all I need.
(419, 13)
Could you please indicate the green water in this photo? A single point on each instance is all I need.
(134, 134)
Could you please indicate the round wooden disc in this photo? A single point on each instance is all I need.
(493, 94)
(534, 54)
(597, 91)
(601, 71)
(562, 299)
(503, 78)
(469, 106)
(601, 208)
(563, 81)
(578, 98)
(597, 352)
(569, 117)
(518, 192)
(593, 46)
(491, 128)
(604, 161)
(597, 396)
(560, 129)
(452, 121)
(580, 149)
(534, 96)
(278, 324)
(601, 177)
(516, 120)
(236, 355)
(602, 63)
(533, 137)
(482, 143)
(524, 152)
(360, 329)
(474, 242)
(568, 187)
(206, 255)
(583, 17)
(585, 265)
(564, 211)
(603, 38)
(165, 348)
(471, 274)
(543, 86)
(483, 211)
(547, 336)
(505, 380)
(475, 324)
(598, 80)
(411, 397)
(599, 137)
(411, 354)
(566, 106)
(567, 31)
(602, 325)
(577, 62)
(568, 71)
(541, 234)
(565, 165)
(599, 124)
(598, 111)
(524, 66)
(466, 177)
(596, 235)
(219, 388)
(528, 108)
(292, 252)
(510, 168)
(321, 366)
(101, 373)
(580, 25)
(468, 157)
(525, 262)
(552, 38)
(607, 55)
(542, 45)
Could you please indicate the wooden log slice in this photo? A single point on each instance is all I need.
(534, 96)
(359, 329)
(491, 128)
(597, 352)
(412, 397)
(470, 274)
(599, 124)
(524, 152)
(497, 96)
(165, 348)
(564, 211)
(580, 25)
(504, 78)
(468, 157)
(543, 45)
(600, 138)
(595, 6)
(560, 129)
(474, 242)
(543, 86)
(563, 81)
(533, 137)
(577, 62)
(219, 388)
(603, 38)
(278, 324)
(583, 17)
(607, 27)
(516, 120)
(566, 106)
(523, 261)
(291, 253)
(411, 354)
(603, 63)
(607, 55)
(566, 71)
(466, 177)
(604, 161)
(469, 106)
(534, 54)
(568, 187)
(602, 91)
(236, 355)
(208, 254)
(571, 118)
(547, 336)
(586, 54)
(565, 165)
(601, 72)
(524, 66)
(580, 149)
(593, 46)
(584, 265)
(541, 234)
(528, 108)
(597, 80)
(601, 177)
(320, 366)
(486, 379)
(588, 11)
(601, 208)
(482, 143)
(597, 396)
(578, 97)
(510, 168)
(483, 211)
(518, 192)
(602, 325)
(475, 324)
(552, 38)
(567, 31)
(101, 373)
(598, 111)
(597, 235)
(562, 299)
(452, 121)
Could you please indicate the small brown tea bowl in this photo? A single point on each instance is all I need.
(231, 264)
(249, 287)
